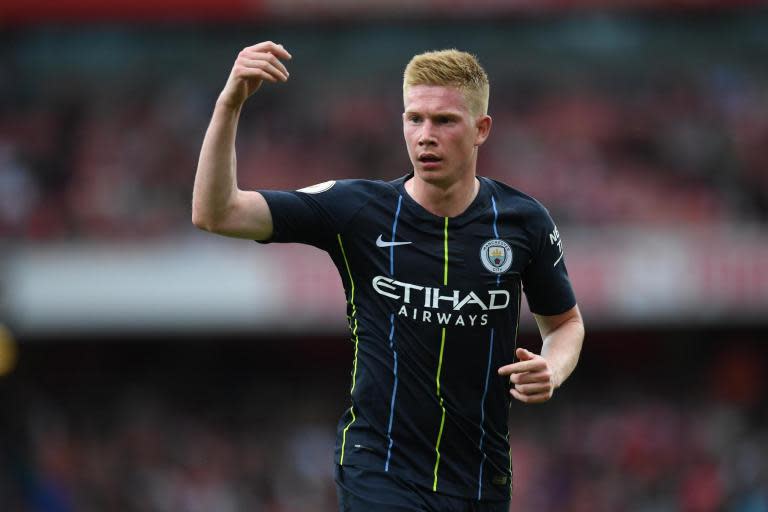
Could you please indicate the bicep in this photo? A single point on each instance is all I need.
(248, 217)
(550, 323)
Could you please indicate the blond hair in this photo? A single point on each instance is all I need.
(452, 68)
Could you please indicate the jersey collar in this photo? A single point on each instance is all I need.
(480, 203)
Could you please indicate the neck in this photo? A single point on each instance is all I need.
(443, 201)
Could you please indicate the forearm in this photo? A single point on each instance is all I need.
(216, 178)
(561, 348)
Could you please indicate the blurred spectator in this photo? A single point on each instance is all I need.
(153, 454)
(649, 146)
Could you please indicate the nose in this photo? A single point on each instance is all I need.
(426, 135)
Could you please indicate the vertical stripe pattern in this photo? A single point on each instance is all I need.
(394, 230)
(442, 418)
(487, 372)
(440, 361)
(390, 442)
(482, 419)
(495, 230)
(353, 321)
(445, 252)
(519, 298)
(514, 347)
(394, 391)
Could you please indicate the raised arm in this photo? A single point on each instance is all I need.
(218, 205)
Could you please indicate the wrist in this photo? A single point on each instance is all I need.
(230, 105)
(556, 380)
(556, 374)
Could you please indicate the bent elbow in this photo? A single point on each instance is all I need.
(201, 221)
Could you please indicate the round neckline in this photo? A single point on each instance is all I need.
(479, 202)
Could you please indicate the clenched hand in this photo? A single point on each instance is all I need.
(253, 65)
(532, 378)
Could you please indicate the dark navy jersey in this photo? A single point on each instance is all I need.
(433, 305)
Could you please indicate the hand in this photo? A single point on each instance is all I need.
(533, 379)
(253, 65)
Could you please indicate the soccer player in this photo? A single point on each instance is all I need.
(433, 265)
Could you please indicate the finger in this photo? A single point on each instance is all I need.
(278, 72)
(531, 377)
(533, 365)
(261, 69)
(252, 72)
(534, 389)
(530, 399)
(264, 56)
(279, 65)
(524, 355)
(269, 47)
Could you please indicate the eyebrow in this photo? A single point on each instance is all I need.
(448, 113)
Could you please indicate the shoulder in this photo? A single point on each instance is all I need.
(343, 200)
(353, 189)
(511, 201)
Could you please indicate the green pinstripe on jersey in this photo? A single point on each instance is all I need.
(445, 252)
(442, 419)
(440, 360)
(353, 320)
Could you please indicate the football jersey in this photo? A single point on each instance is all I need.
(433, 306)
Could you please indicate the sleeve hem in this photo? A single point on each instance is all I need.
(556, 311)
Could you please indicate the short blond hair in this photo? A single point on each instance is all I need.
(450, 68)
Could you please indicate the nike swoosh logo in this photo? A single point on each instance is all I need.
(382, 243)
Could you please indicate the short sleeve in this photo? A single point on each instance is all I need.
(545, 279)
(313, 215)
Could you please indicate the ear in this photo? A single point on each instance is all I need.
(483, 125)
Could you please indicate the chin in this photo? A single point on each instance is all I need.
(433, 176)
(428, 174)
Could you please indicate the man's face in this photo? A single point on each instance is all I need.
(441, 133)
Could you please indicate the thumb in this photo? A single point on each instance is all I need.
(523, 354)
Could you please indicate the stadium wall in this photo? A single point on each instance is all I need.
(623, 277)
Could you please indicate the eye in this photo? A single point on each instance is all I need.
(413, 118)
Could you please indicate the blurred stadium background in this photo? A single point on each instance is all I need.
(147, 366)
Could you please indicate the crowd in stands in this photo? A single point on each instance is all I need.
(268, 448)
(655, 149)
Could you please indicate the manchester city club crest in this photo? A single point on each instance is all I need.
(496, 256)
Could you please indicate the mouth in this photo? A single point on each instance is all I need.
(429, 159)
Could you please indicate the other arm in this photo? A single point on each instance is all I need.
(535, 377)
(218, 205)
